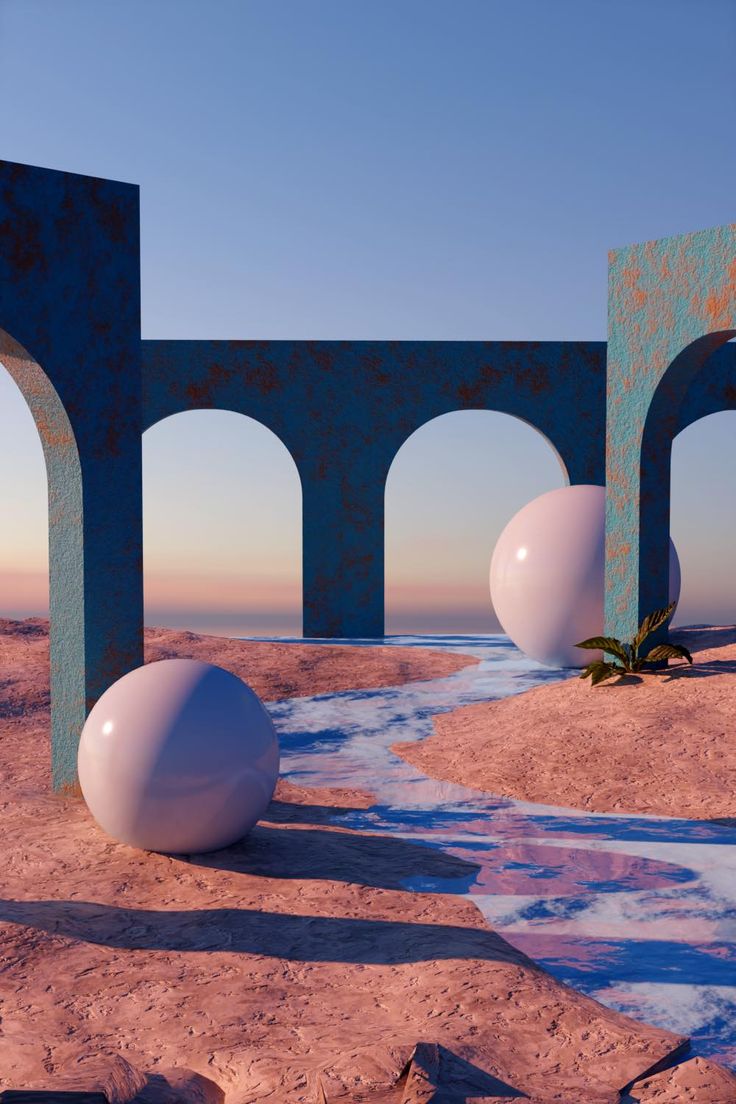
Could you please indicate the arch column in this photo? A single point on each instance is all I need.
(70, 297)
(95, 594)
(343, 545)
(671, 304)
(95, 560)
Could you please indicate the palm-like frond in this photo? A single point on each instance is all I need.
(628, 654)
(668, 651)
(599, 671)
(607, 644)
(652, 622)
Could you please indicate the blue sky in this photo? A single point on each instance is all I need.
(401, 169)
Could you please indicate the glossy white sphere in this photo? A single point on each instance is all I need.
(547, 575)
(178, 756)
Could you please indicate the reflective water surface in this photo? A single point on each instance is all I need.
(637, 911)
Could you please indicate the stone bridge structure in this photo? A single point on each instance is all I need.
(70, 337)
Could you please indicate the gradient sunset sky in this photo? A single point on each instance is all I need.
(372, 169)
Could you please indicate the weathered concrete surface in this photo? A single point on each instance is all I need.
(70, 312)
(344, 409)
(672, 303)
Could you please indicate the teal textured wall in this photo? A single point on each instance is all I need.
(672, 303)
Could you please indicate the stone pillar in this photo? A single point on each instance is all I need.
(70, 314)
(671, 304)
(343, 553)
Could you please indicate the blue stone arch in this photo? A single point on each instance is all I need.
(571, 462)
(70, 305)
(70, 298)
(344, 408)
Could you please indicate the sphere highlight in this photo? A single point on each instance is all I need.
(178, 756)
(547, 575)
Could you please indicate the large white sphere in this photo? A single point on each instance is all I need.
(178, 756)
(547, 575)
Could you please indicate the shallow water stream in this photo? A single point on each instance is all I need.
(637, 911)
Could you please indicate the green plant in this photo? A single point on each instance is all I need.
(628, 661)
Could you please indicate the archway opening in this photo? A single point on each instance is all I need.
(51, 573)
(24, 547)
(703, 520)
(222, 527)
(451, 489)
(695, 387)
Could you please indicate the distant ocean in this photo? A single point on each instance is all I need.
(288, 623)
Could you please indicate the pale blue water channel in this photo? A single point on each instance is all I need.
(637, 911)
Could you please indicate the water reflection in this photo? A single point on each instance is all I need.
(637, 911)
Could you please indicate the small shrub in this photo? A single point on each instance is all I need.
(628, 660)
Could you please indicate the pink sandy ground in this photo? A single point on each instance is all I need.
(289, 968)
(660, 744)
